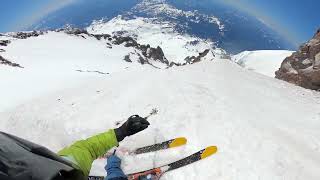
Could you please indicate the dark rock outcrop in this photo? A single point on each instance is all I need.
(127, 58)
(157, 54)
(193, 59)
(303, 67)
(130, 42)
(148, 52)
(25, 35)
(102, 36)
(4, 42)
(71, 30)
(9, 63)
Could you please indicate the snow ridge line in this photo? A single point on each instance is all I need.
(145, 54)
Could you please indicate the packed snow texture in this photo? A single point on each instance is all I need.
(54, 61)
(175, 46)
(264, 128)
(266, 62)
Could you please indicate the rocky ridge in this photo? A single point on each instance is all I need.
(144, 53)
(303, 67)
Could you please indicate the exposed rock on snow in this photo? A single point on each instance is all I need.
(205, 55)
(9, 63)
(155, 54)
(25, 35)
(303, 67)
(4, 42)
(265, 62)
(127, 58)
(71, 30)
(193, 59)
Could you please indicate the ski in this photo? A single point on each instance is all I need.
(156, 173)
(161, 146)
(157, 147)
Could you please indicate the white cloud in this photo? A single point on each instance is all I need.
(53, 6)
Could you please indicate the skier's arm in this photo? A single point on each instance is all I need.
(82, 153)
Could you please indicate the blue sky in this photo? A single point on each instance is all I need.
(296, 20)
(20, 14)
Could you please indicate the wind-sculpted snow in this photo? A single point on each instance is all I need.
(176, 46)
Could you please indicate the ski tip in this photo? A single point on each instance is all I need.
(178, 142)
(209, 151)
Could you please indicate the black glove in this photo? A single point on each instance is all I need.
(132, 126)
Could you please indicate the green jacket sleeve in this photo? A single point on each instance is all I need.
(84, 152)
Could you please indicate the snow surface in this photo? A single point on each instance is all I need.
(266, 62)
(52, 61)
(264, 128)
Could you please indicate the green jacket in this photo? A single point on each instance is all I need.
(82, 153)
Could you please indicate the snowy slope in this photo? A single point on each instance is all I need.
(266, 129)
(56, 60)
(53, 61)
(266, 62)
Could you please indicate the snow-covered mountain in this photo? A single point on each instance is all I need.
(226, 26)
(266, 62)
(163, 10)
(54, 57)
(64, 85)
(176, 46)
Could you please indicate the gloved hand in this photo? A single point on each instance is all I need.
(113, 168)
(132, 126)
